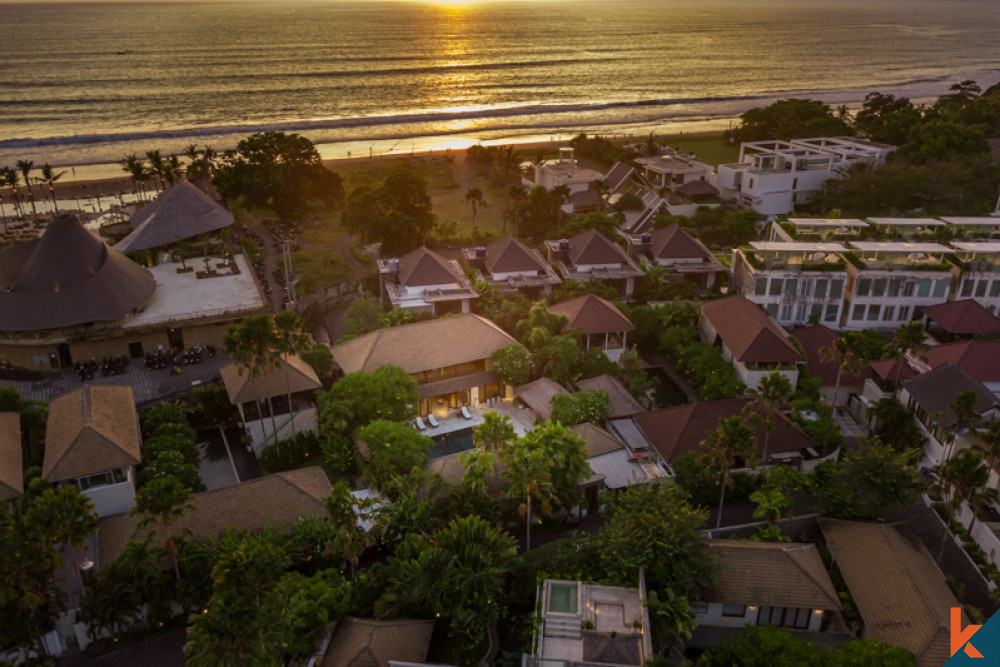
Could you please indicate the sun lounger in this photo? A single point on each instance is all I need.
(420, 424)
(433, 422)
(465, 412)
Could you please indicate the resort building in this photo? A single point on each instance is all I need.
(68, 297)
(601, 323)
(975, 228)
(590, 624)
(908, 228)
(92, 441)
(957, 320)
(451, 359)
(179, 213)
(513, 267)
(818, 230)
(261, 396)
(772, 177)
(684, 257)
(899, 591)
(11, 457)
(750, 340)
(612, 464)
(590, 256)
(889, 280)
(795, 282)
(783, 584)
(425, 281)
(978, 268)
(565, 171)
(667, 172)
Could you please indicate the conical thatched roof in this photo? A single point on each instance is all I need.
(178, 213)
(70, 277)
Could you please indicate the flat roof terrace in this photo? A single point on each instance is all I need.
(906, 222)
(796, 246)
(827, 222)
(984, 247)
(972, 221)
(901, 247)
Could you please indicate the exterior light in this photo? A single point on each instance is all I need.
(818, 611)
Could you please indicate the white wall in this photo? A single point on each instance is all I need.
(113, 498)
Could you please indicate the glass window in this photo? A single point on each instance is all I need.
(786, 312)
(806, 287)
(874, 311)
(859, 312)
(995, 288)
(775, 286)
(816, 311)
(836, 289)
(878, 287)
(734, 610)
(831, 313)
(760, 287)
(904, 313)
(888, 313)
(941, 288)
(925, 288)
(772, 309)
(800, 313)
(980, 288)
(791, 285)
(802, 618)
(820, 292)
(967, 287)
(764, 616)
(864, 286)
(894, 286)
(908, 288)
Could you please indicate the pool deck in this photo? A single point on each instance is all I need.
(450, 421)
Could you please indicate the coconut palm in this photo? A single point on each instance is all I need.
(989, 445)
(474, 196)
(506, 162)
(49, 177)
(772, 393)
(191, 152)
(251, 345)
(290, 341)
(561, 195)
(961, 478)
(847, 353)
(494, 431)
(157, 165)
(174, 169)
(25, 166)
(529, 474)
(518, 195)
(732, 440)
(652, 147)
(963, 410)
(11, 179)
(601, 188)
(908, 337)
(135, 168)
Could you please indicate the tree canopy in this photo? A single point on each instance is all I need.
(790, 119)
(396, 213)
(394, 449)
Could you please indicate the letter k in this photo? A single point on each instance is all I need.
(960, 636)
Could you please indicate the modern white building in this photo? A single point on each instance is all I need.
(772, 177)
(908, 228)
(565, 171)
(666, 173)
(987, 227)
(979, 277)
(818, 229)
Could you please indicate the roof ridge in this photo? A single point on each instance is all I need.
(795, 561)
(284, 476)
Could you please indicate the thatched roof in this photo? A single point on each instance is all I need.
(11, 472)
(294, 376)
(178, 213)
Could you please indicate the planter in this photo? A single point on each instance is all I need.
(186, 269)
(206, 274)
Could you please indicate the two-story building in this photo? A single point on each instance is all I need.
(667, 172)
(590, 256)
(451, 359)
(92, 441)
(795, 282)
(978, 265)
(566, 171)
(602, 325)
(425, 281)
(684, 257)
(975, 228)
(513, 267)
(821, 230)
(913, 229)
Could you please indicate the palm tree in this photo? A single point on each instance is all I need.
(132, 165)
(161, 501)
(601, 188)
(494, 431)
(343, 509)
(173, 169)
(651, 145)
(10, 179)
(251, 346)
(989, 445)
(49, 176)
(848, 355)
(518, 195)
(26, 166)
(961, 477)
(506, 162)
(732, 440)
(191, 152)
(474, 196)
(528, 471)
(561, 194)
(157, 165)
(772, 393)
(907, 337)
(290, 341)
(963, 410)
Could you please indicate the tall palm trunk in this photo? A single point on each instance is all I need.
(274, 421)
(722, 497)
(288, 390)
(833, 409)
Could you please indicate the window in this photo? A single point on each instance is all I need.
(820, 292)
(801, 618)
(795, 183)
(800, 313)
(786, 312)
(874, 311)
(764, 615)
(888, 313)
(772, 309)
(791, 284)
(836, 289)
(980, 288)
(967, 287)
(831, 313)
(806, 287)
(904, 313)
(894, 286)
(859, 312)
(908, 288)
(995, 288)
(116, 476)
(775, 287)
(925, 288)
(750, 184)
(864, 286)
(878, 287)
(816, 311)
(760, 287)
(737, 610)
(941, 288)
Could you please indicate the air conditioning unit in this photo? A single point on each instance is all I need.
(480, 252)
(646, 239)
(563, 245)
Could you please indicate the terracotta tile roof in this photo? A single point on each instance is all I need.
(672, 242)
(422, 346)
(622, 402)
(589, 247)
(681, 429)
(886, 370)
(697, 188)
(899, 591)
(593, 315)
(507, 255)
(275, 500)
(598, 440)
(179, 212)
(11, 457)
(538, 395)
(748, 332)
(978, 358)
(93, 429)
(775, 574)
(426, 267)
(815, 338)
(242, 388)
(935, 390)
(369, 642)
(964, 317)
(452, 471)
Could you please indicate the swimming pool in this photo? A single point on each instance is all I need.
(563, 597)
(451, 443)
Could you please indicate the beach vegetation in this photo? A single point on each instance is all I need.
(397, 213)
(789, 119)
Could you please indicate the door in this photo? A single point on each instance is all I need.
(175, 338)
(135, 350)
(65, 358)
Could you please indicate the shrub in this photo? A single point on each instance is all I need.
(291, 453)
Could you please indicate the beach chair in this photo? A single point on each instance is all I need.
(433, 422)
(420, 424)
(465, 412)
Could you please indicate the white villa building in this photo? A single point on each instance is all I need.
(423, 280)
(818, 229)
(590, 256)
(666, 173)
(513, 267)
(565, 171)
(979, 263)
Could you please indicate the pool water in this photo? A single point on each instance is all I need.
(562, 598)
(451, 443)
(667, 394)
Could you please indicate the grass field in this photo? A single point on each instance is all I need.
(709, 149)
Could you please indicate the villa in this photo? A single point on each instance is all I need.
(565, 171)
(590, 256)
(425, 281)
(92, 441)
(602, 324)
(666, 173)
(684, 257)
(538, 395)
(813, 340)
(513, 267)
(957, 320)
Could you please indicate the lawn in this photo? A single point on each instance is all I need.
(437, 170)
(709, 149)
(318, 269)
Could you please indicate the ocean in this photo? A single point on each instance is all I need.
(84, 84)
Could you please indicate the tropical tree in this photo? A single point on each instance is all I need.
(988, 444)
(907, 337)
(772, 503)
(772, 393)
(847, 353)
(135, 168)
(25, 166)
(10, 179)
(160, 502)
(360, 398)
(866, 481)
(251, 345)
(513, 364)
(343, 509)
(518, 195)
(474, 197)
(394, 449)
(397, 213)
(963, 478)
(291, 341)
(895, 425)
(561, 195)
(157, 165)
(49, 177)
(591, 405)
(964, 414)
(733, 440)
(507, 163)
(362, 315)
(491, 434)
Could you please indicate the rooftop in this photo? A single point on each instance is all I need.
(623, 404)
(797, 246)
(906, 222)
(963, 317)
(295, 375)
(538, 395)
(592, 315)
(826, 222)
(901, 247)
(369, 642)
(813, 340)
(11, 456)
(978, 358)
(748, 332)
(985, 247)
(179, 212)
(971, 221)
(935, 390)
(672, 164)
